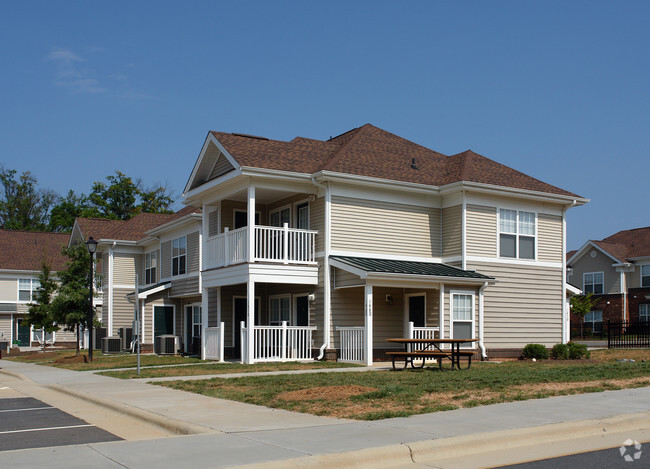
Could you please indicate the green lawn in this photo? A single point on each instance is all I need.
(219, 368)
(384, 394)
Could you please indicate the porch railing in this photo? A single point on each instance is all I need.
(272, 244)
(422, 332)
(214, 343)
(278, 343)
(352, 342)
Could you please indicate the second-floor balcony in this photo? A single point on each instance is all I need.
(281, 245)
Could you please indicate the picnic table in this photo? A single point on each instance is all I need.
(432, 348)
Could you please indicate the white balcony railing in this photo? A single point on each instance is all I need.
(272, 244)
(278, 343)
(352, 342)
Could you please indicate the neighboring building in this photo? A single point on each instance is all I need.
(163, 252)
(22, 254)
(617, 271)
(357, 236)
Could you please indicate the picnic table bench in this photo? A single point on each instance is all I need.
(433, 349)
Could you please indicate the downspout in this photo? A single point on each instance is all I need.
(624, 290)
(480, 322)
(109, 319)
(326, 270)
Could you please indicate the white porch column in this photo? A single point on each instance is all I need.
(250, 320)
(251, 223)
(368, 322)
(204, 320)
(441, 319)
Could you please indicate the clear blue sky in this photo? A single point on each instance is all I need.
(558, 90)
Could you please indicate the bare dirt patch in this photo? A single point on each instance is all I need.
(331, 393)
(72, 359)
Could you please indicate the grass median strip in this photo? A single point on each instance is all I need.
(385, 394)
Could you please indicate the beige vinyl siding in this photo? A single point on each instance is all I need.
(524, 306)
(212, 308)
(600, 263)
(481, 231)
(5, 327)
(124, 268)
(549, 238)
(221, 167)
(388, 320)
(165, 259)
(317, 221)
(633, 279)
(193, 252)
(22, 308)
(122, 310)
(347, 311)
(227, 310)
(385, 228)
(452, 231)
(9, 289)
(213, 222)
(184, 286)
(65, 336)
(342, 278)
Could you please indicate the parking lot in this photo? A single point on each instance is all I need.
(26, 422)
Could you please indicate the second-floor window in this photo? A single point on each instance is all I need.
(517, 234)
(27, 288)
(593, 283)
(150, 267)
(645, 275)
(179, 255)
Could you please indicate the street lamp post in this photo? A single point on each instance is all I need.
(91, 244)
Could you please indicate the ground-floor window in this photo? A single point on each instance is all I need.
(279, 309)
(644, 313)
(462, 310)
(594, 320)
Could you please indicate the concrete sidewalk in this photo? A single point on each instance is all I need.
(222, 433)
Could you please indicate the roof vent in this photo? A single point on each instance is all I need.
(413, 165)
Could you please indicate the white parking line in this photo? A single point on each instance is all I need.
(42, 429)
(7, 387)
(31, 408)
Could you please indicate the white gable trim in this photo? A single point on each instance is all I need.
(585, 247)
(209, 139)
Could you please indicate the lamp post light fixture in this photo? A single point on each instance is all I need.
(91, 244)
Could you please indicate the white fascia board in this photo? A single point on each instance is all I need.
(503, 190)
(331, 176)
(348, 268)
(275, 174)
(585, 247)
(265, 273)
(638, 259)
(153, 291)
(571, 289)
(174, 224)
(197, 194)
(7, 273)
(76, 230)
(408, 281)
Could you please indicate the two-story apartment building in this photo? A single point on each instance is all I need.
(22, 254)
(315, 249)
(149, 264)
(616, 270)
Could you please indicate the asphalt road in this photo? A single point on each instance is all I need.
(638, 457)
(26, 422)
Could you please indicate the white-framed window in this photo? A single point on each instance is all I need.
(644, 312)
(517, 234)
(279, 309)
(302, 216)
(179, 255)
(280, 216)
(27, 288)
(196, 320)
(240, 218)
(594, 319)
(150, 267)
(645, 275)
(462, 314)
(593, 282)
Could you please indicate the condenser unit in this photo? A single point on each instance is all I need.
(111, 345)
(100, 333)
(126, 334)
(166, 345)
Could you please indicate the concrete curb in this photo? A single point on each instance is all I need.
(436, 452)
(174, 426)
(13, 374)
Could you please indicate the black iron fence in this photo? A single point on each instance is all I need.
(628, 334)
(589, 330)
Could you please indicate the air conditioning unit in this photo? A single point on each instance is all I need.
(126, 334)
(166, 345)
(99, 334)
(111, 345)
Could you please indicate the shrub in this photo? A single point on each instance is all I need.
(560, 352)
(537, 351)
(577, 351)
